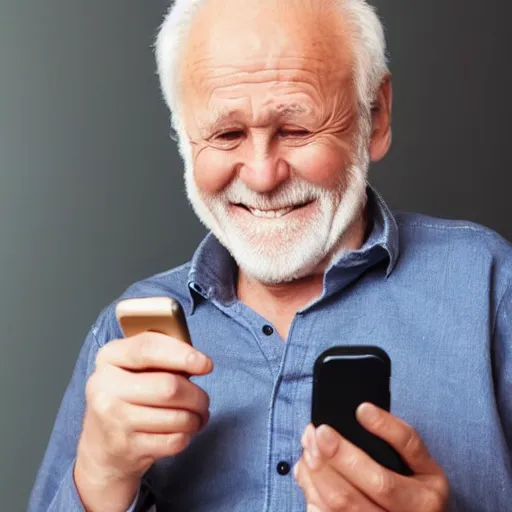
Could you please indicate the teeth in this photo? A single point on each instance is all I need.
(271, 214)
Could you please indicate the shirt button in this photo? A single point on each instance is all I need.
(283, 468)
(268, 330)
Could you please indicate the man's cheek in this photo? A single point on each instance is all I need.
(213, 170)
(321, 162)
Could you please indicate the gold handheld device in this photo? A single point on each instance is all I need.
(155, 314)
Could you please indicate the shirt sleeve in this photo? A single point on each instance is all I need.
(54, 489)
(502, 346)
(68, 500)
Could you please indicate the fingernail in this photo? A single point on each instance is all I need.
(306, 438)
(309, 460)
(368, 412)
(328, 438)
(296, 470)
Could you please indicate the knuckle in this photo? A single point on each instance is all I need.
(170, 387)
(103, 403)
(101, 356)
(205, 400)
(192, 423)
(441, 488)
(181, 420)
(433, 501)
(98, 393)
(198, 400)
(413, 446)
(176, 443)
(338, 499)
(90, 387)
(351, 461)
(444, 490)
(384, 483)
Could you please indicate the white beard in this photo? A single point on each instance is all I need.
(282, 249)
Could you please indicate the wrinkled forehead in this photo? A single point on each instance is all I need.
(250, 36)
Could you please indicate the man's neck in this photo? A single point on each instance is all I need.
(279, 303)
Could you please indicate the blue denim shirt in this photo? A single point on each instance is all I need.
(435, 294)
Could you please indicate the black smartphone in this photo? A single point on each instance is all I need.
(344, 378)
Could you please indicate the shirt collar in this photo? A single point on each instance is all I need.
(213, 271)
(383, 233)
(381, 246)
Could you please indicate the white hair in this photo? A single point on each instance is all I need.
(368, 45)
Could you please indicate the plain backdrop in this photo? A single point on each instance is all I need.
(91, 191)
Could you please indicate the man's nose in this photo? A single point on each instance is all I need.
(264, 172)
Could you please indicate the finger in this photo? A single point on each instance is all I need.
(312, 454)
(308, 440)
(158, 446)
(322, 485)
(339, 494)
(168, 391)
(152, 389)
(303, 478)
(401, 436)
(382, 486)
(154, 351)
(154, 420)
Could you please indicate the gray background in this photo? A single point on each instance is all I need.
(91, 194)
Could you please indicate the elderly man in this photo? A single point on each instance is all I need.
(279, 107)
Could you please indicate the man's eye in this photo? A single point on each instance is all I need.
(287, 132)
(230, 135)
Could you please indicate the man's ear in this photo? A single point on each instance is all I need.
(381, 121)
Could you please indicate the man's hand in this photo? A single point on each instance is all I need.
(336, 476)
(140, 406)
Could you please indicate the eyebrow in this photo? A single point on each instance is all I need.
(280, 111)
(292, 108)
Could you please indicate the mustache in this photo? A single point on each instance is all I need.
(290, 193)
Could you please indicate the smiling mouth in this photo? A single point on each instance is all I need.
(274, 213)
